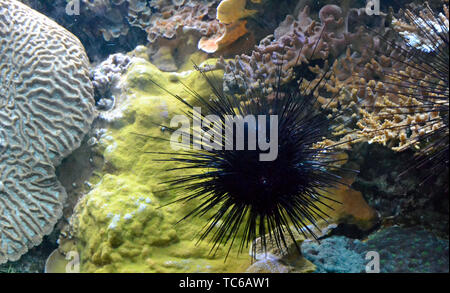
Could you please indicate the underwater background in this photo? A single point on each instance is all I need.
(87, 92)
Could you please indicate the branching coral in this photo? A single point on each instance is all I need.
(415, 109)
(293, 42)
(400, 90)
(397, 87)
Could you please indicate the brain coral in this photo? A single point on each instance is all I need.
(46, 107)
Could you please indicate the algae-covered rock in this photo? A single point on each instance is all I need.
(123, 223)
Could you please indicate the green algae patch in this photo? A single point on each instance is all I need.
(124, 223)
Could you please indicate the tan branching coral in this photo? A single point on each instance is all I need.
(46, 107)
(413, 97)
(395, 97)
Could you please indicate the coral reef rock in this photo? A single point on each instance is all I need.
(46, 107)
(400, 198)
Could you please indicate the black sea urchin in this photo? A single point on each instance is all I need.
(424, 84)
(253, 195)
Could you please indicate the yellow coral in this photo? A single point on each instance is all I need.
(230, 11)
(121, 226)
(229, 14)
(232, 32)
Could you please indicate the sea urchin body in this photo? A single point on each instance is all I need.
(242, 193)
